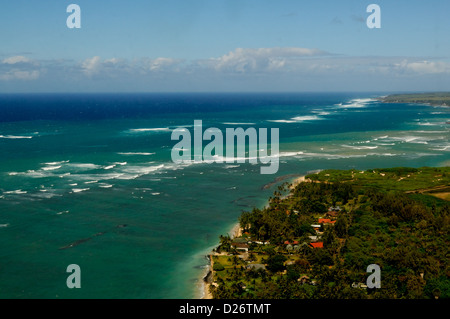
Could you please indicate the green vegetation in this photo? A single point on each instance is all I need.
(317, 239)
(437, 98)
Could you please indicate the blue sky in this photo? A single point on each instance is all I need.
(224, 45)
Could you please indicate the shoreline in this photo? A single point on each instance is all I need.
(236, 231)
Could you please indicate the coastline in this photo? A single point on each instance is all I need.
(435, 99)
(298, 181)
(236, 231)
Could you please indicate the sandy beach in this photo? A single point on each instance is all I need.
(298, 181)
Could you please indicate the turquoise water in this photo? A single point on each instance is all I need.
(95, 171)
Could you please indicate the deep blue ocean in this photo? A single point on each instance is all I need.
(88, 179)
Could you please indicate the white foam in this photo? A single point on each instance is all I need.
(415, 139)
(4, 225)
(382, 154)
(56, 163)
(135, 153)
(356, 103)
(17, 192)
(79, 190)
(142, 170)
(84, 166)
(15, 137)
(51, 168)
(109, 167)
(153, 129)
(299, 119)
(427, 124)
(360, 147)
(231, 166)
(442, 147)
(289, 154)
(105, 185)
(281, 121)
(431, 132)
(307, 118)
(322, 112)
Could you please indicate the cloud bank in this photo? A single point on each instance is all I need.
(243, 69)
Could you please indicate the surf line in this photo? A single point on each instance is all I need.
(213, 152)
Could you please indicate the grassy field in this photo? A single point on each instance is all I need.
(429, 180)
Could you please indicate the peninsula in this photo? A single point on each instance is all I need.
(434, 98)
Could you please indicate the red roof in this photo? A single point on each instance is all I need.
(324, 220)
(295, 242)
(286, 242)
(317, 245)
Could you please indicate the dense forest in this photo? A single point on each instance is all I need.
(316, 240)
(432, 98)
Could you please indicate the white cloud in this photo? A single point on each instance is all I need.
(427, 67)
(16, 59)
(161, 63)
(91, 66)
(243, 68)
(260, 59)
(20, 75)
(19, 68)
(114, 67)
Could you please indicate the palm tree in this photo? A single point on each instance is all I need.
(225, 243)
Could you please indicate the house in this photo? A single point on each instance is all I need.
(326, 221)
(261, 242)
(240, 246)
(304, 280)
(240, 240)
(359, 285)
(317, 244)
(332, 213)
